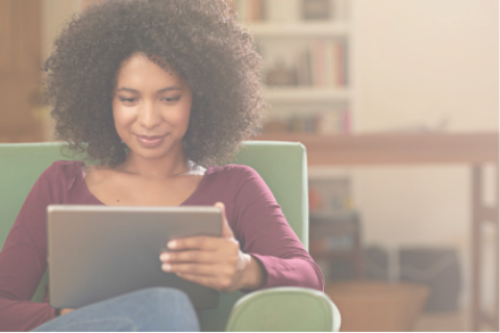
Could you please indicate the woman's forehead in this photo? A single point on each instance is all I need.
(140, 70)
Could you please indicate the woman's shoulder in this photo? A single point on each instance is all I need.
(63, 170)
(235, 177)
(64, 167)
(232, 171)
(58, 179)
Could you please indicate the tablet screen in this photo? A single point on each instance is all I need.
(99, 252)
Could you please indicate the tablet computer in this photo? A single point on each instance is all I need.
(99, 252)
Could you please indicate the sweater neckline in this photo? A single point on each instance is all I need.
(81, 178)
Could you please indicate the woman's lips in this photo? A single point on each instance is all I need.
(150, 141)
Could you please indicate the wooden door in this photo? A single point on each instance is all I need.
(20, 70)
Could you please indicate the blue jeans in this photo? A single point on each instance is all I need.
(153, 309)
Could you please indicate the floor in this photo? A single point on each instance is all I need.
(446, 322)
(443, 322)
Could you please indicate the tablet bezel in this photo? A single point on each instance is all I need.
(95, 252)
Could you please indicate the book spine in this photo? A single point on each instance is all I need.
(322, 64)
(329, 65)
(319, 64)
(346, 121)
(345, 62)
(259, 10)
(242, 9)
(315, 63)
(251, 10)
(301, 66)
(341, 64)
(310, 67)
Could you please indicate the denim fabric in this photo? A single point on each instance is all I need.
(153, 309)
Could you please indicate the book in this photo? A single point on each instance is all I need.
(249, 10)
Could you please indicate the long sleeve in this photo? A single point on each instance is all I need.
(23, 261)
(252, 211)
(266, 235)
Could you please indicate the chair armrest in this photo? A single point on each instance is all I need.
(41, 290)
(284, 309)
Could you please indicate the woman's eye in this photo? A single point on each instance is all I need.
(171, 99)
(127, 100)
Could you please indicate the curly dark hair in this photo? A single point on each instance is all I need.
(201, 41)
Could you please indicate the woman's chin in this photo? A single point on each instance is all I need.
(157, 152)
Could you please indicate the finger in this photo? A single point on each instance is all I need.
(194, 243)
(188, 256)
(195, 269)
(226, 229)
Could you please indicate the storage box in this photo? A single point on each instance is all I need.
(367, 306)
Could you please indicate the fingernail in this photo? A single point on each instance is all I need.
(172, 244)
(166, 267)
(164, 257)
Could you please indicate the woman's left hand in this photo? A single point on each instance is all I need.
(215, 262)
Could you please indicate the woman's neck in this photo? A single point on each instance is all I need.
(168, 166)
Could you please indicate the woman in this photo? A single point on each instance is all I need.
(159, 92)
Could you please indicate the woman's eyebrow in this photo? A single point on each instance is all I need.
(159, 91)
(169, 88)
(127, 89)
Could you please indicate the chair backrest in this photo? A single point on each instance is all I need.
(282, 165)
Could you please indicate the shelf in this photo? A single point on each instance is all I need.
(333, 217)
(306, 94)
(335, 255)
(395, 148)
(318, 172)
(298, 29)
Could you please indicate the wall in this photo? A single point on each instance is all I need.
(421, 64)
(55, 14)
(417, 63)
(427, 60)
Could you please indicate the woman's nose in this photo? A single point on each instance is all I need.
(149, 117)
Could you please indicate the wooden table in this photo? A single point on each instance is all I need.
(474, 149)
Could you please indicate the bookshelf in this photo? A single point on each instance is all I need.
(297, 29)
(471, 149)
(315, 53)
(306, 94)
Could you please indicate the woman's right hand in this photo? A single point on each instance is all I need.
(215, 262)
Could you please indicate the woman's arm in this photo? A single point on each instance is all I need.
(267, 254)
(23, 261)
(265, 234)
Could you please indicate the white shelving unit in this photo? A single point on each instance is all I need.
(306, 94)
(298, 29)
(277, 40)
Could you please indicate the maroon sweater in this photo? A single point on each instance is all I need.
(252, 212)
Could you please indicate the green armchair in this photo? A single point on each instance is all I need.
(284, 169)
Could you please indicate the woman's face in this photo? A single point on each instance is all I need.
(151, 107)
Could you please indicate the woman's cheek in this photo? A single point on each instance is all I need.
(123, 118)
(181, 116)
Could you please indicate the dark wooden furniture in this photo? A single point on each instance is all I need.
(342, 225)
(20, 75)
(474, 149)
